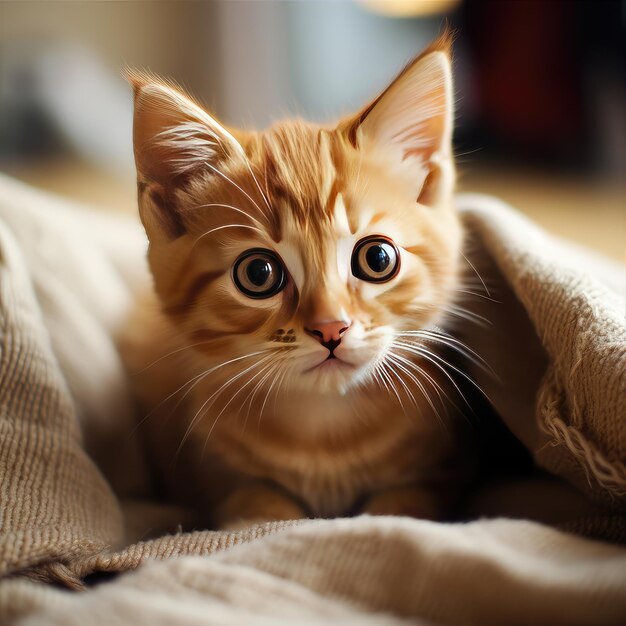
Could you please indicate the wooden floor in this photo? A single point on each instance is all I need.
(588, 212)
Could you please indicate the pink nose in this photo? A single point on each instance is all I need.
(328, 333)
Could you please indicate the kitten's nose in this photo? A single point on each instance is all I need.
(328, 333)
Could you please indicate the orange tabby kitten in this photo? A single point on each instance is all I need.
(300, 273)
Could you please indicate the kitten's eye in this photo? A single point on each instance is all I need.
(259, 273)
(375, 259)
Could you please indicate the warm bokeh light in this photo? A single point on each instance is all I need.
(542, 126)
(410, 8)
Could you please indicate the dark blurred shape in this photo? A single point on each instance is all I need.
(548, 81)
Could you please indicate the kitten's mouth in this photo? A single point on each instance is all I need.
(331, 361)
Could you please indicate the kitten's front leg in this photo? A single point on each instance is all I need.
(417, 501)
(255, 503)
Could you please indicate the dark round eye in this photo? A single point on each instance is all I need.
(375, 259)
(259, 273)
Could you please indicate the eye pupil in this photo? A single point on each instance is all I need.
(377, 258)
(259, 272)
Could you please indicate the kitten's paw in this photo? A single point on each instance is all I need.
(408, 501)
(253, 505)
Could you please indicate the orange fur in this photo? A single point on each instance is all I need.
(244, 419)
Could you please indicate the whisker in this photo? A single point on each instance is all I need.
(165, 356)
(283, 375)
(379, 379)
(431, 357)
(267, 395)
(195, 418)
(393, 387)
(267, 191)
(232, 182)
(391, 360)
(396, 359)
(206, 441)
(208, 232)
(477, 273)
(252, 395)
(227, 206)
(433, 383)
(199, 377)
(256, 182)
(437, 360)
(451, 342)
(466, 314)
(478, 295)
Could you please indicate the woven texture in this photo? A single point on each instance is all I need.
(69, 465)
(563, 330)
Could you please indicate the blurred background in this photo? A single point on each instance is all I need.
(541, 104)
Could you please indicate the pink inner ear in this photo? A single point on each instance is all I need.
(415, 113)
(173, 136)
(428, 194)
(424, 138)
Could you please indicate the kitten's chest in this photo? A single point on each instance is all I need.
(332, 473)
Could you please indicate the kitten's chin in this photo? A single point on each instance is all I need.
(330, 376)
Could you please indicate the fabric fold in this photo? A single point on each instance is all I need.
(69, 463)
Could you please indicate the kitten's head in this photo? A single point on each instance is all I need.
(302, 251)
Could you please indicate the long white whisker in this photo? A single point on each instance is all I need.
(422, 372)
(429, 356)
(466, 314)
(267, 395)
(254, 391)
(437, 361)
(478, 295)
(229, 206)
(198, 378)
(213, 230)
(434, 384)
(396, 359)
(213, 369)
(195, 418)
(256, 182)
(450, 342)
(383, 371)
(256, 375)
(232, 182)
(401, 380)
(147, 367)
(283, 375)
(477, 274)
(378, 377)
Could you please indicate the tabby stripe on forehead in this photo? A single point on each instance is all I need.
(329, 208)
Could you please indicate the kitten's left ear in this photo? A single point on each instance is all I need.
(412, 121)
(174, 140)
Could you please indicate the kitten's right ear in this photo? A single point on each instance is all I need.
(412, 122)
(174, 139)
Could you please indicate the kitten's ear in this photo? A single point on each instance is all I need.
(174, 139)
(412, 120)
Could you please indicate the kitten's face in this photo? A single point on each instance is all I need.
(302, 253)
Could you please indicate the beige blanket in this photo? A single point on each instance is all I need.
(73, 484)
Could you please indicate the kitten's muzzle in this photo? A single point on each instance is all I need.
(328, 333)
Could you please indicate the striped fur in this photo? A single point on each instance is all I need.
(251, 424)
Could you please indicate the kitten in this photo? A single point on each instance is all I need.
(294, 366)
